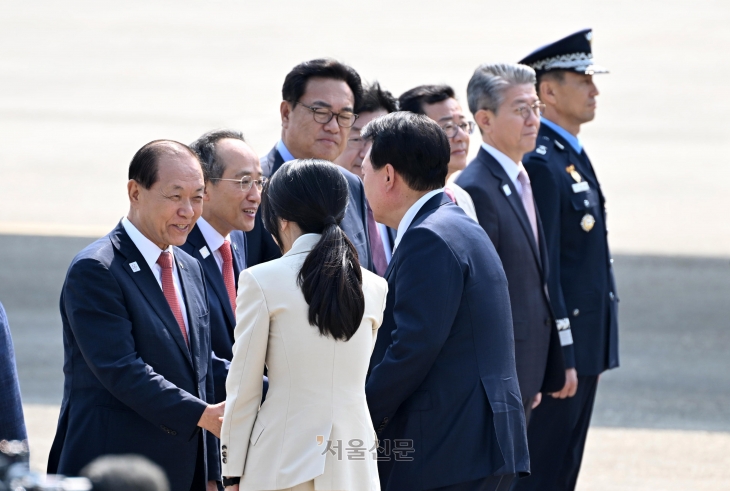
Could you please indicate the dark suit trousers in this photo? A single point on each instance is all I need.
(556, 438)
(491, 483)
(200, 480)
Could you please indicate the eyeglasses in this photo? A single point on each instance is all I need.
(452, 129)
(322, 115)
(536, 108)
(357, 143)
(245, 182)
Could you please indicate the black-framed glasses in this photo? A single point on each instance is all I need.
(535, 108)
(245, 182)
(452, 129)
(322, 115)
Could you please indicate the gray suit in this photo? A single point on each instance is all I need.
(540, 366)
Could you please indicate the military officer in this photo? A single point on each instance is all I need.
(581, 283)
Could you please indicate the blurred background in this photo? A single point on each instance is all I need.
(84, 84)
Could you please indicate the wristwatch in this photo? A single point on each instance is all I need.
(230, 481)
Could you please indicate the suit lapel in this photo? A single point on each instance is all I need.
(238, 248)
(277, 159)
(186, 280)
(212, 273)
(514, 199)
(145, 280)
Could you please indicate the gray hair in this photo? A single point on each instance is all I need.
(490, 81)
(204, 147)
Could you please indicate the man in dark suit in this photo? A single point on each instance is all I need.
(233, 183)
(503, 101)
(138, 366)
(12, 423)
(442, 390)
(317, 112)
(581, 283)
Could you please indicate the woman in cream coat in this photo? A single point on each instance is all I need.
(312, 318)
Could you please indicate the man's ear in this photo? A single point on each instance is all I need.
(546, 92)
(484, 118)
(206, 196)
(389, 176)
(133, 190)
(285, 110)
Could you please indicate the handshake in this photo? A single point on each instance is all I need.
(212, 418)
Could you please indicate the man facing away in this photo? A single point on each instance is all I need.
(442, 390)
(138, 365)
(581, 282)
(439, 103)
(317, 113)
(375, 102)
(503, 101)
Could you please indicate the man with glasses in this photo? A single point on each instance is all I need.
(581, 284)
(503, 101)
(375, 103)
(233, 182)
(317, 113)
(439, 103)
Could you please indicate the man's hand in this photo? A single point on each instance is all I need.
(232, 488)
(537, 400)
(212, 486)
(212, 418)
(571, 385)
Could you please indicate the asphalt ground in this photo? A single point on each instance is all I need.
(670, 394)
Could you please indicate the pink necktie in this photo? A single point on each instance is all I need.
(168, 289)
(527, 200)
(448, 192)
(376, 245)
(228, 274)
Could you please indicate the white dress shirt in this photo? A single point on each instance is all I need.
(214, 240)
(411, 214)
(151, 254)
(511, 167)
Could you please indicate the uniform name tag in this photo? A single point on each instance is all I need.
(506, 189)
(204, 252)
(579, 187)
(566, 337)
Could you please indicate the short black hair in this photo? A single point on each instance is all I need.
(296, 80)
(557, 75)
(414, 145)
(125, 473)
(414, 99)
(143, 167)
(205, 148)
(374, 98)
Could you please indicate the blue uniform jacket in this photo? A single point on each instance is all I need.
(581, 283)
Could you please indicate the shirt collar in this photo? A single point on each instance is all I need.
(511, 167)
(211, 235)
(572, 140)
(284, 152)
(146, 247)
(411, 214)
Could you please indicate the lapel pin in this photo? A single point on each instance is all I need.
(134, 266)
(235, 247)
(506, 189)
(204, 252)
(181, 265)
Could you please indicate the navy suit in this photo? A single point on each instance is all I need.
(443, 369)
(582, 289)
(12, 423)
(131, 383)
(262, 248)
(502, 215)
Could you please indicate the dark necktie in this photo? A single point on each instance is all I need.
(376, 245)
(168, 289)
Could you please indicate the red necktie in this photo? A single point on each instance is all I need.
(168, 288)
(228, 274)
(376, 245)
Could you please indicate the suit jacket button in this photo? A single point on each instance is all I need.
(576, 312)
(224, 447)
(385, 419)
(173, 432)
(225, 461)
